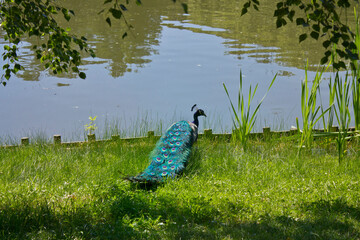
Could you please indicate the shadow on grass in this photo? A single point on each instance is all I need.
(133, 215)
(329, 220)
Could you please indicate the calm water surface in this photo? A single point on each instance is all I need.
(168, 62)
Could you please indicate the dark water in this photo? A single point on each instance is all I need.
(168, 62)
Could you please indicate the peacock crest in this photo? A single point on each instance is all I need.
(172, 151)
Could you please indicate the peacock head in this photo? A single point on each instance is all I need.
(198, 112)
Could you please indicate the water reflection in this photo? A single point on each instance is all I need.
(254, 34)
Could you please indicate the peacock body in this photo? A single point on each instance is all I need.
(172, 151)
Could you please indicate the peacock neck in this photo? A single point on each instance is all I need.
(196, 120)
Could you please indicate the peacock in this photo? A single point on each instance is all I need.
(172, 151)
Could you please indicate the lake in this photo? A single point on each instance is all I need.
(168, 62)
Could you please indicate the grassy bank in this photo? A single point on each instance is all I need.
(49, 192)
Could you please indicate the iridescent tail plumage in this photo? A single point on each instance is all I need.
(171, 154)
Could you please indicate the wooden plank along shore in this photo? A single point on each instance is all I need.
(151, 135)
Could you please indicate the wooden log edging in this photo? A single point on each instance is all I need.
(208, 133)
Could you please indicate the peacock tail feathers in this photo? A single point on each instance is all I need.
(171, 153)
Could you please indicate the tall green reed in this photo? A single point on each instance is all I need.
(328, 122)
(355, 88)
(243, 119)
(356, 76)
(309, 108)
(342, 90)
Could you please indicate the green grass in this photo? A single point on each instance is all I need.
(49, 192)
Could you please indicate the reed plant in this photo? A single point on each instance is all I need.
(355, 87)
(310, 108)
(328, 122)
(342, 113)
(243, 119)
(343, 117)
(341, 89)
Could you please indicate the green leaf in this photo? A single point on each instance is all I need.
(66, 14)
(345, 44)
(107, 1)
(243, 11)
(324, 60)
(314, 35)
(82, 75)
(115, 13)
(302, 37)
(342, 64)
(291, 15)
(326, 43)
(301, 21)
(316, 27)
(7, 74)
(108, 21)
(345, 37)
(17, 67)
(6, 66)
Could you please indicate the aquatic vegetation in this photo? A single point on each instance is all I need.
(91, 126)
(309, 108)
(355, 87)
(342, 113)
(243, 118)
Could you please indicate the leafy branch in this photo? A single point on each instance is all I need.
(59, 50)
(322, 19)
